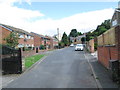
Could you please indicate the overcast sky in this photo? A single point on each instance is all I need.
(45, 17)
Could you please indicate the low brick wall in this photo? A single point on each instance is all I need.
(90, 46)
(106, 53)
(28, 53)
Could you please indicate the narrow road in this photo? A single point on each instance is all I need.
(64, 68)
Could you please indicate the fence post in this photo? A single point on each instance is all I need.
(36, 49)
(22, 62)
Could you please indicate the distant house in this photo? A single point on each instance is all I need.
(26, 39)
(77, 40)
(58, 37)
(39, 39)
(55, 42)
(49, 42)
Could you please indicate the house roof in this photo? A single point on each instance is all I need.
(49, 37)
(18, 30)
(40, 35)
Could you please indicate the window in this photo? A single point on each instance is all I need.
(31, 37)
(20, 45)
(27, 36)
(32, 45)
(21, 36)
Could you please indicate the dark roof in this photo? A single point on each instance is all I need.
(18, 30)
(38, 35)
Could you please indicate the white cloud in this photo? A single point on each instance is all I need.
(21, 18)
(82, 22)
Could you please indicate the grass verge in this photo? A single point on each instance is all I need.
(29, 61)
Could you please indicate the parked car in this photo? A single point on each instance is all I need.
(72, 45)
(79, 47)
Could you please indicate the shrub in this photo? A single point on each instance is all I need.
(42, 47)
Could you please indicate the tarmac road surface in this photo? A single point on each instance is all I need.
(64, 68)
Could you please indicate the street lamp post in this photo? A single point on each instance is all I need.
(58, 37)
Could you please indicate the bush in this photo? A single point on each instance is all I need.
(95, 45)
(27, 48)
(42, 47)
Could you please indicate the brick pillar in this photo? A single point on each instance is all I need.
(92, 46)
(117, 36)
(22, 57)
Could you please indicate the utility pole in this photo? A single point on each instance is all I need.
(58, 37)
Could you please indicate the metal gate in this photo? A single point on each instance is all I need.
(11, 60)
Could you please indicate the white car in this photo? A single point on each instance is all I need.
(79, 47)
(72, 45)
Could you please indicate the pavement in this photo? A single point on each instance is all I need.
(102, 74)
(65, 68)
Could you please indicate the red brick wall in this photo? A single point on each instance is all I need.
(4, 33)
(117, 32)
(28, 53)
(106, 53)
(90, 46)
(51, 43)
(37, 40)
(28, 41)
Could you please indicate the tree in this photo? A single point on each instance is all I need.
(83, 39)
(65, 39)
(73, 33)
(99, 30)
(79, 33)
(12, 40)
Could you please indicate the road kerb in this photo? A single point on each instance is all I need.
(94, 75)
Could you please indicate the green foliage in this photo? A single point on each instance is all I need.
(79, 33)
(100, 30)
(83, 39)
(65, 39)
(61, 44)
(28, 48)
(73, 33)
(29, 61)
(42, 47)
(95, 46)
(12, 40)
(0, 45)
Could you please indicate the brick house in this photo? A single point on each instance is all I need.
(115, 18)
(55, 42)
(26, 39)
(39, 39)
(49, 42)
(77, 40)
